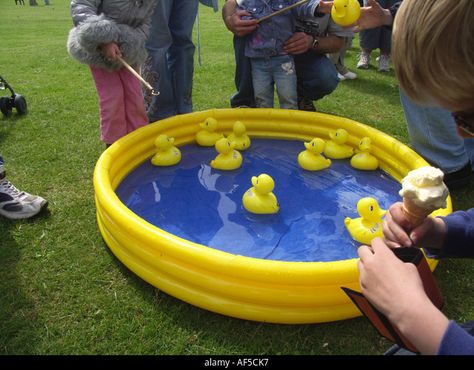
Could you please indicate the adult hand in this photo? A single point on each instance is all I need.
(238, 26)
(398, 231)
(372, 16)
(298, 43)
(111, 51)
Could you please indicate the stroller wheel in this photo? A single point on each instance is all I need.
(20, 104)
(5, 106)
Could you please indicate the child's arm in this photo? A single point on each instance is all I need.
(81, 10)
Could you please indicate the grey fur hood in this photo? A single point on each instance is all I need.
(125, 22)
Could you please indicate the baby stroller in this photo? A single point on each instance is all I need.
(7, 103)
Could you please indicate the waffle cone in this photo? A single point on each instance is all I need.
(415, 214)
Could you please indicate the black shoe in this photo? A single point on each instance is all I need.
(458, 179)
(306, 104)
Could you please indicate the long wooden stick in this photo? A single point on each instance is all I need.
(282, 10)
(137, 75)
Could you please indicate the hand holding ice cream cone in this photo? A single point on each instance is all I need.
(423, 192)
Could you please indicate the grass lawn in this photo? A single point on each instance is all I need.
(62, 291)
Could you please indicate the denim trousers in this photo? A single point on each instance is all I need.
(171, 49)
(122, 109)
(433, 135)
(274, 71)
(244, 95)
(317, 75)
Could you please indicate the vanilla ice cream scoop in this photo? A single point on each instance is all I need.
(423, 192)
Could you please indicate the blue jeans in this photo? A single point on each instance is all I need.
(317, 76)
(171, 49)
(268, 72)
(433, 135)
(243, 76)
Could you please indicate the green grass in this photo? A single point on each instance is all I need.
(61, 290)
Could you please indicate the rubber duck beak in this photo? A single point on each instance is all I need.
(307, 145)
(382, 212)
(171, 140)
(254, 180)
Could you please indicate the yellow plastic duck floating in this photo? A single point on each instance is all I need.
(167, 154)
(228, 158)
(311, 159)
(363, 160)
(259, 199)
(345, 12)
(369, 225)
(239, 136)
(207, 136)
(336, 147)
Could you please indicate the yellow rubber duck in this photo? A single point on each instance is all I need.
(363, 160)
(167, 154)
(336, 147)
(207, 136)
(239, 136)
(228, 158)
(259, 199)
(345, 12)
(369, 225)
(311, 159)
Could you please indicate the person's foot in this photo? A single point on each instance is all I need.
(306, 104)
(349, 75)
(16, 204)
(458, 179)
(364, 60)
(340, 77)
(384, 63)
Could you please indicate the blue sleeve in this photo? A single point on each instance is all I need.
(456, 341)
(459, 240)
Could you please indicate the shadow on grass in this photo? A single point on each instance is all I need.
(371, 86)
(18, 316)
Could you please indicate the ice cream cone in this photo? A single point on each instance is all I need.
(415, 214)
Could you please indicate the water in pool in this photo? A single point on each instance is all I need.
(195, 202)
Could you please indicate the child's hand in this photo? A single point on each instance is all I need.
(111, 51)
(325, 7)
(398, 231)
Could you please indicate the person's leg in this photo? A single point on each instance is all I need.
(181, 53)
(16, 204)
(433, 135)
(157, 45)
(243, 76)
(134, 107)
(263, 83)
(385, 47)
(112, 113)
(284, 74)
(317, 76)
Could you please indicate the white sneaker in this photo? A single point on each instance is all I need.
(384, 63)
(349, 75)
(340, 77)
(364, 61)
(16, 204)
